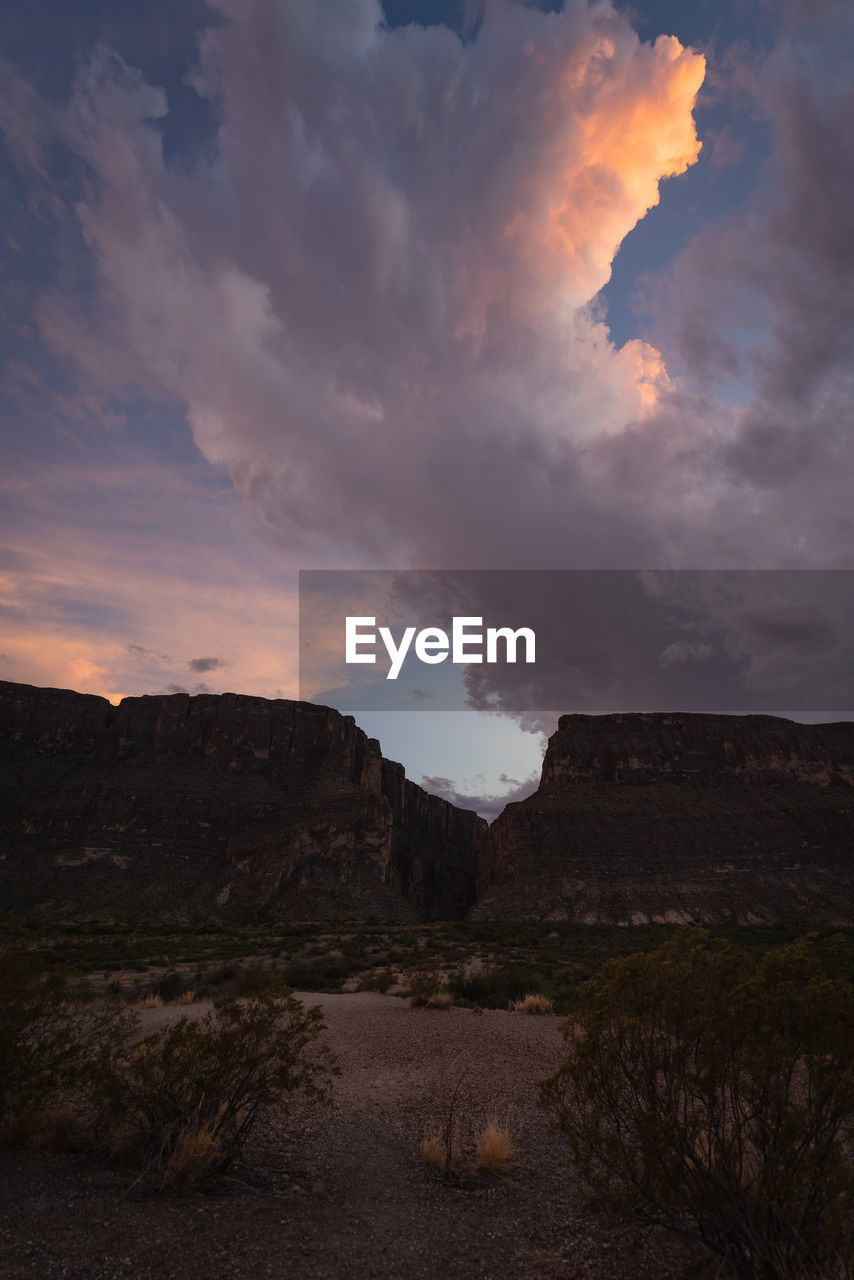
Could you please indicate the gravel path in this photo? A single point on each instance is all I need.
(350, 1197)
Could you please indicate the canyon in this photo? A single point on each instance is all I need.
(230, 807)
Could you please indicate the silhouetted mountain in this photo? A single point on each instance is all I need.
(184, 807)
(674, 818)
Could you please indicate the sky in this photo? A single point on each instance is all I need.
(469, 285)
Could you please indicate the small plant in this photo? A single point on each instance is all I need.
(376, 980)
(195, 1155)
(256, 978)
(495, 1151)
(534, 1003)
(186, 997)
(151, 1002)
(447, 1138)
(441, 999)
(170, 987)
(433, 1152)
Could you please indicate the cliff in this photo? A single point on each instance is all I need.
(222, 806)
(179, 807)
(706, 818)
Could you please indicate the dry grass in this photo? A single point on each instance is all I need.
(197, 1154)
(440, 1000)
(151, 1002)
(433, 1151)
(495, 1150)
(534, 1003)
(424, 987)
(186, 997)
(52, 1128)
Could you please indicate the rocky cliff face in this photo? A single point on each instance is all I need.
(674, 818)
(431, 864)
(216, 805)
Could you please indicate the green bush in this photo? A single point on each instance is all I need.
(170, 986)
(257, 978)
(182, 1103)
(377, 980)
(50, 1037)
(496, 988)
(713, 1093)
(421, 985)
(329, 973)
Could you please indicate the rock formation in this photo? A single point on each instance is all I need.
(672, 818)
(223, 806)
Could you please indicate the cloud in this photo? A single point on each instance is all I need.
(146, 656)
(206, 664)
(378, 311)
(489, 806)
(25, 122)
(763, 302)
(684, 651)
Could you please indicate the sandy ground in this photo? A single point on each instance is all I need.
(349, 1197)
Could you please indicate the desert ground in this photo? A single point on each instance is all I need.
(341, 1192)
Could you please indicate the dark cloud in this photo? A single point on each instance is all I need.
(766, 301)
(735, 641)
(201, 665)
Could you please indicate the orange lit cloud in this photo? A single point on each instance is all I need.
(627, 125)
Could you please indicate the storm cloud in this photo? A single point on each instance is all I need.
(375, 296)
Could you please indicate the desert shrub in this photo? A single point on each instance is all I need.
(713, 1093)
(496, 988)
(50, 1036)
(421, 987)
(325, 974)
(225, 973)
(494, 1150)
(184, 1101)
(376, 980)
(170, 986)
(256, 978)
